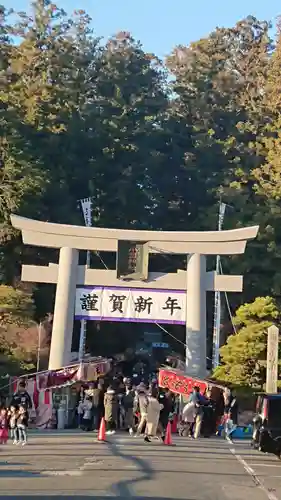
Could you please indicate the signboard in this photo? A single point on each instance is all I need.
(160, 345)
(125, 304)
(272, 359)
(132, 260)
(179, 383)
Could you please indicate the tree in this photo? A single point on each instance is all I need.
(16, 306)
(217, 85)
(259, 188)
(129, 102)
(243, 357)
(220, 112)
(80, 118)
(18, 331)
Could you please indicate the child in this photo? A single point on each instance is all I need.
(22, 422)
(4, 426)
(87, 415)
(80, 412)
(13, 415)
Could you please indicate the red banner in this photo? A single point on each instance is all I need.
(179, 383)
(84, 372)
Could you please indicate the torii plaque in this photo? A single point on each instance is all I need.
(195, 280)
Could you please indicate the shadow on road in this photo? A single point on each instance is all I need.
(86, 497)
(123, 488)
(17, 473)
(5, 472)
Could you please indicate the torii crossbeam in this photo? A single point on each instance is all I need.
(67, 274)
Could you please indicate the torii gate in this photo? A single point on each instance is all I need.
(195, 281)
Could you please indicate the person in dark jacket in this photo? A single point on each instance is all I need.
(22, 398)
(209, 417)
(128, 405)
(167, 401)
(98, 408)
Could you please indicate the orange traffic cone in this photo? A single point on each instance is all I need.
(101, 434)
(168, 437)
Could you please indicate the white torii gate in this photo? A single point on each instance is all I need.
(196, 281)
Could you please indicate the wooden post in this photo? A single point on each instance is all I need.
(272, 359)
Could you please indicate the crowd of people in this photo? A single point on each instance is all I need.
(140, 409)
(145, 409)
(203, 415)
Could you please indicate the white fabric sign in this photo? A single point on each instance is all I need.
(125, 304)
(86, 204)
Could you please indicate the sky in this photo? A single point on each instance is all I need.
(162, 24)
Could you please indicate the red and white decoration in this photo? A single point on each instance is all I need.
(42, 402)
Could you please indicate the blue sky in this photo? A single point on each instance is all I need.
(163, 24)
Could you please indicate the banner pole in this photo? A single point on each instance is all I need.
(217, 305)
(86, 205)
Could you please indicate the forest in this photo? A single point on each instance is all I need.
(156, 145)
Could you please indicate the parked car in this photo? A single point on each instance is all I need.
(267, 424)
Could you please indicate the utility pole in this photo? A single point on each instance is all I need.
(39, 330)
(86, 205)
(217, 308)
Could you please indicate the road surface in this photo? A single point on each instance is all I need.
(74, 465)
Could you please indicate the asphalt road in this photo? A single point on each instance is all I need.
(75, 465)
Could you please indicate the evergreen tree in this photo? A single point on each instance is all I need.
(244, 355)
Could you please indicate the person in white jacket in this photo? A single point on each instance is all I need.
(189, 416)
(153, 413)
(87, 406)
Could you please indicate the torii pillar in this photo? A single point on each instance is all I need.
(196, 345)
(195, 281)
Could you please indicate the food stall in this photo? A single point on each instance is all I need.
(54, 393)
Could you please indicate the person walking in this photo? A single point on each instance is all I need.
(140, 407)
(199, 401)
(153, 413)
(128, 405)
(166, 400)
(98, 409)
(231, 415)
(87, 406)
(80, 413)
(22, 423)
(110, 410)
(188, 417)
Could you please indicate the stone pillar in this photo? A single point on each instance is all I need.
(60, 352)
(196, 334)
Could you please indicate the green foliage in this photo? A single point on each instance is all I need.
(16, 306)
(18, 333)
(243, 357)
(83, 118)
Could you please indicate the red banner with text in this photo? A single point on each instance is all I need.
(179, 383)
